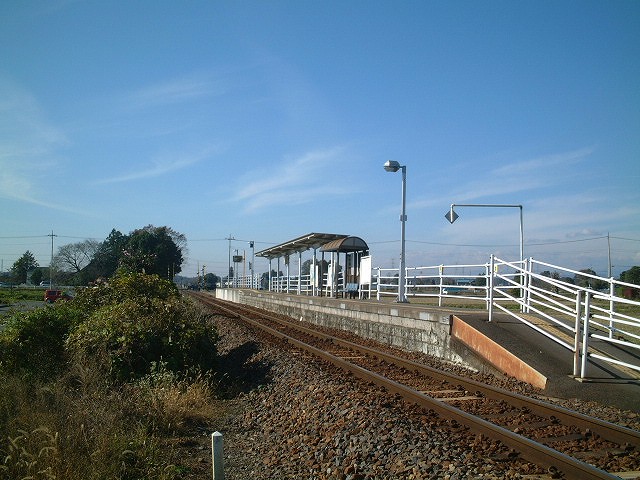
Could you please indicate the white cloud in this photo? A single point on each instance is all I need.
(174, 91)
(521, 176)
(535, 165)
(163, 164)
(28, 145)
(297, 181)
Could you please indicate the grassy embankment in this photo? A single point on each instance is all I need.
(107, 386)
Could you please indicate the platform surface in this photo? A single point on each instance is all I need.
(605, 384)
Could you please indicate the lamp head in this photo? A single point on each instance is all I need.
(392, 166)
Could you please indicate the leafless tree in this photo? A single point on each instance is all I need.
(73, 257)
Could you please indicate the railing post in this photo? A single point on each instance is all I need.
(440, 274)
(378, 285)
(491, 282)
(487, 274)
(612, 292)
(216, 456)
(527, 284)
(585, 335)
(576, 340)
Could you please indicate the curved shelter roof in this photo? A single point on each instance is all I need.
(300, 244)
(345, 245)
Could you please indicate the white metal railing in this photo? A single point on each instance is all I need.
(521, 289)
(595, 308)
(438, 281)
(304, 285)
(580, 312)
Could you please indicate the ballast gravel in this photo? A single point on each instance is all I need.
(291, 416)
(299, 418)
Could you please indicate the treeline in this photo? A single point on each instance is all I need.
(152, 250)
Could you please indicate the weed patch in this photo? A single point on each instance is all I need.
(101, 386)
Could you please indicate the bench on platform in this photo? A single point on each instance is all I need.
(352, 290)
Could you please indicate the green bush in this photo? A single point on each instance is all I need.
(134, 333)
(33, 343)
(65, 418)
(126, 286)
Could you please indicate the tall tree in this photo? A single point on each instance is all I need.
(589, 282)
(154, 250)
(631, 276)
(106, 259)
(37, 276)
(211, 281)
(23, 266)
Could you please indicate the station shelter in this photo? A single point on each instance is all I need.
(325, 277)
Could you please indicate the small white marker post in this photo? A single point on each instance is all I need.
(216, 456)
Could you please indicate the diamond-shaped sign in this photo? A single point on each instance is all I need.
(451, 215)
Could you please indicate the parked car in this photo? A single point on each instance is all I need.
(51, 296)
(45, 283)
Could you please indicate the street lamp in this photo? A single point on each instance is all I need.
(451, 215)
(393, 166)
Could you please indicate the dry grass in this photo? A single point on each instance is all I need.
(81, 427)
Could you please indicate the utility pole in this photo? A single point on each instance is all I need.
(609, 271)
(51, 262)
(229, 269)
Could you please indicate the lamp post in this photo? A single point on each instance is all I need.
(451, 215)
(253, 260)
(393, 166)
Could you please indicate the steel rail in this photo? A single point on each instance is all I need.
(607, 430)
(530, 450)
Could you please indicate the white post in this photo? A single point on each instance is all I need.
(491, 285)
(487, 283)
(585, 334)
(440, 284)
(612, 292)
(576, 341)
(526, 283)
(402, 296)
(216, 456)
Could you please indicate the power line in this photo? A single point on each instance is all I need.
(26, 236)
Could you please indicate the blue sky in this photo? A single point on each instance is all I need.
(267, 120)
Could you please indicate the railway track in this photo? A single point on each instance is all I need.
(566, 443)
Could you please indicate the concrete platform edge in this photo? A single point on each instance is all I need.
(495, 354)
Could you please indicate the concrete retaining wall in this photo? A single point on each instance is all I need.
(401, 325)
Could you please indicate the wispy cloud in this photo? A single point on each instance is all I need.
(174, 91)
(295, 181)
(28, 144)
(535, 165)
(520, 176)
(162, 165)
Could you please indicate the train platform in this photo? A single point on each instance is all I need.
(546, 364)
(605, 384)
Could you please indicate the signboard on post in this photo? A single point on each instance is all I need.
(365, 270)
(237, 259)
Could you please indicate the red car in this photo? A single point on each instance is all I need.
(51, 296)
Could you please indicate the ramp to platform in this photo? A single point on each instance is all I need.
(519, 351)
